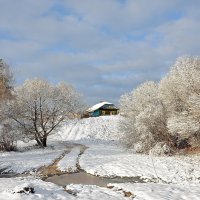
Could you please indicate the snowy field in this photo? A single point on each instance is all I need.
(30, 160)
(112, 161)
(95, 130)
(166, 178)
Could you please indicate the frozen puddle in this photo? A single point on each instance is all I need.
(87, 179)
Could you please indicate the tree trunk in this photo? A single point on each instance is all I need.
(44, 142)
(39, 142)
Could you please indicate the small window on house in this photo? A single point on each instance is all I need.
(103, 112)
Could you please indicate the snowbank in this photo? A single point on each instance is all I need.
(92, 192)
(43, 190)
(151, 191)
(49, 191)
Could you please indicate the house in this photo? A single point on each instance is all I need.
(103, 108)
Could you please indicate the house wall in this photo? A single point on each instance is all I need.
(96, 113)
(108, 112)
(101, 112)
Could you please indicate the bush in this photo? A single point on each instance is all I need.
(7, 138)
(162, 148)
(161, 117)
(144, 122)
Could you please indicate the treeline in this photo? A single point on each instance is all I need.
(158, 118)
(33, 110)
(161, 118)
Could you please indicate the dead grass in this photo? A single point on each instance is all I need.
(191, 151)
(125, 193)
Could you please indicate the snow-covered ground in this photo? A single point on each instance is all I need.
(43, 190)
(31, 160)
(95, 130)
(112, 160)
(103, 157)
(9, 188)
(69, 161)
(152, 191)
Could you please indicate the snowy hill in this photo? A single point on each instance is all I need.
(97, 128)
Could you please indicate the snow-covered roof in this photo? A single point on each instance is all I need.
(97, 106)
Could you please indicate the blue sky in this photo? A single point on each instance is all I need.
(103, 47)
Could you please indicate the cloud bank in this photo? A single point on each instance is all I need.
(103, 47)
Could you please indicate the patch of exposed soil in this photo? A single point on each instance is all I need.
(125, 193)
(190, 151)
(51, 170)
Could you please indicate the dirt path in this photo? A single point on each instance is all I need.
(51, 170)
(82, 150)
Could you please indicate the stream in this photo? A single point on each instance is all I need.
(88, 179)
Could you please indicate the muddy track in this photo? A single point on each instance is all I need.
(82, 150)
(51, 170)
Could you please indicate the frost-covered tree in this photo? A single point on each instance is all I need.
(7, 136)
(183, 125)
(180, 93)
(144, 122)
(40, 108)
(184, 129)
(6, 81)
(180, 84)
(164, 115)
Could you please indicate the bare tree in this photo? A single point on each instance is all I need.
(40, 108)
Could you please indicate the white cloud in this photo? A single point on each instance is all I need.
(103, 47)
